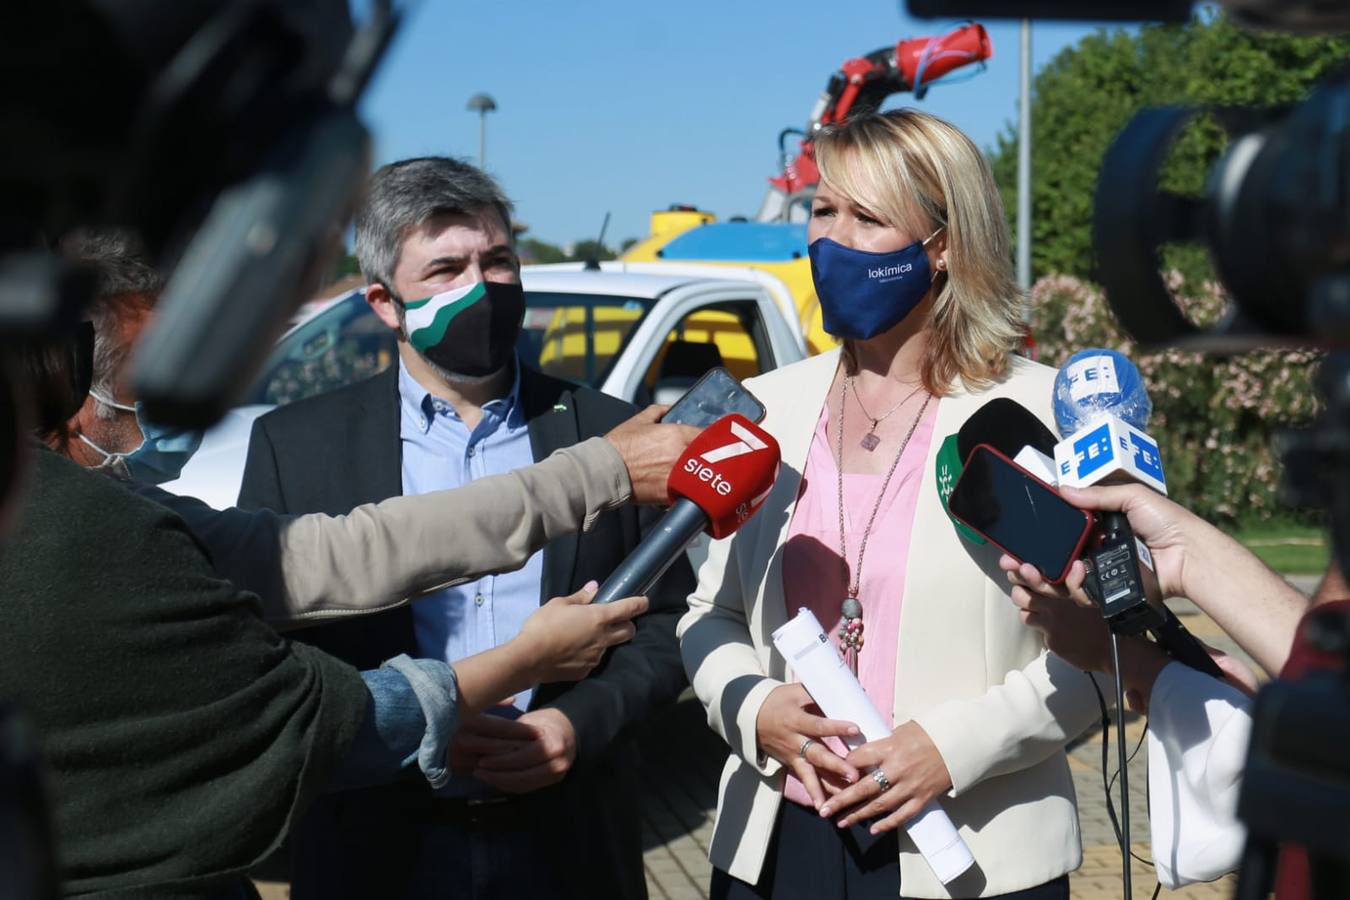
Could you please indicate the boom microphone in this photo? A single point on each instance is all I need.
(721, 480)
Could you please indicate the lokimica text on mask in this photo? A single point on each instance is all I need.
(887, 273)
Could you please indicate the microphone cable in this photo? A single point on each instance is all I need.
(1108, 783)
(1125, 849)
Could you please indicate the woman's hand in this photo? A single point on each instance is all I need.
(1157, 521)
(1073, 625)
(914, 773)
(567, 637)
(788, 722)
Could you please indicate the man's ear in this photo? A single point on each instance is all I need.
(382, 303)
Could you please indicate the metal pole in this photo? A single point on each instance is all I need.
(1024, 169)
(482, 104)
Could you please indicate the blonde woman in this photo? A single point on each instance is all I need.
(909, 250)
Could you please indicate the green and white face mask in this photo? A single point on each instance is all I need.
(470, 330)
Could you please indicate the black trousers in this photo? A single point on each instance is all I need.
(811, 859)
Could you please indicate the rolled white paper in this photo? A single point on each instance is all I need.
(836, 690)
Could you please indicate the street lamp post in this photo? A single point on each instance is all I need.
(482, 104)
(1024, 169)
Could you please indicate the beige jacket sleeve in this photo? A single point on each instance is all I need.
(381, 555)
(1015, 725)
(725, 668)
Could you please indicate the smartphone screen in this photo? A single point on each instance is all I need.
(713, 396)
(1019, 512)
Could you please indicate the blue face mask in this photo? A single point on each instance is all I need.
(160, 457)
(864, 294)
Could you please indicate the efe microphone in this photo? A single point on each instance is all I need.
(1101, 406)
(721, 480)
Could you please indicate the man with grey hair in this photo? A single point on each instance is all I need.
(108, 431)
(544, 803)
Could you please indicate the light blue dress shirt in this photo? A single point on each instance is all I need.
(439, 453)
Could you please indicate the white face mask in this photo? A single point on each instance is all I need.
(162, 452)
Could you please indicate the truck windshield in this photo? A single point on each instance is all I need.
(573, 336)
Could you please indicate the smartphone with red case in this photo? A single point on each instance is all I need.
(1019, 513)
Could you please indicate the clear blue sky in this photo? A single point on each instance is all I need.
(631, 106)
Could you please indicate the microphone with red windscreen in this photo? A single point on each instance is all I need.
(721, 480)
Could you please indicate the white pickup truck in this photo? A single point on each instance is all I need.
(642, 332)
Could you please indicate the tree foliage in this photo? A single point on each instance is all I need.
(1087, 93)
(1215, 419)
(533, 250)
(591, 249)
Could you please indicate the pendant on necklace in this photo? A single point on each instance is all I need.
(851, 629)
(870, 440)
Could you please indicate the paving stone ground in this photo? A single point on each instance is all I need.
(681, 761)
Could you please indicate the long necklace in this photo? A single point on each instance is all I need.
(870, 440)
(851, 629)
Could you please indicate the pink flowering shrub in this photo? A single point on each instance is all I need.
(1215, 418)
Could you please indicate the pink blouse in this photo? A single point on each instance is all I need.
(814, 575)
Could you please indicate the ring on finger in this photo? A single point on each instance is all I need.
(882, 781)
(806, 745)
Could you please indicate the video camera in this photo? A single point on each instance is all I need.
(224, 134)
(1275, 217)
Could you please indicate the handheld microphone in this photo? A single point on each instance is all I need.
(1013, 430)
(1101, 408)
(1005, 493)
(1008, 427)
(948, 466)
(1096, 381)
(721, 480)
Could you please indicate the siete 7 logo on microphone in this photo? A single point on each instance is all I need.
(745, 442)
(727, 470)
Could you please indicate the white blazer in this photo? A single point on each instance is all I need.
(997, 705)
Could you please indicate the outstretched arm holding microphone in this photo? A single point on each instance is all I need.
(1199, 728)
(1257, 608)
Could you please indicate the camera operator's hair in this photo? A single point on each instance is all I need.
(47, 385)
(405, 194)
(127, 284)
(919, 173)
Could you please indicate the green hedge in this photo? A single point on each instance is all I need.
(1214, 418)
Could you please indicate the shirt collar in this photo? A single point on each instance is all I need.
(422, 407)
